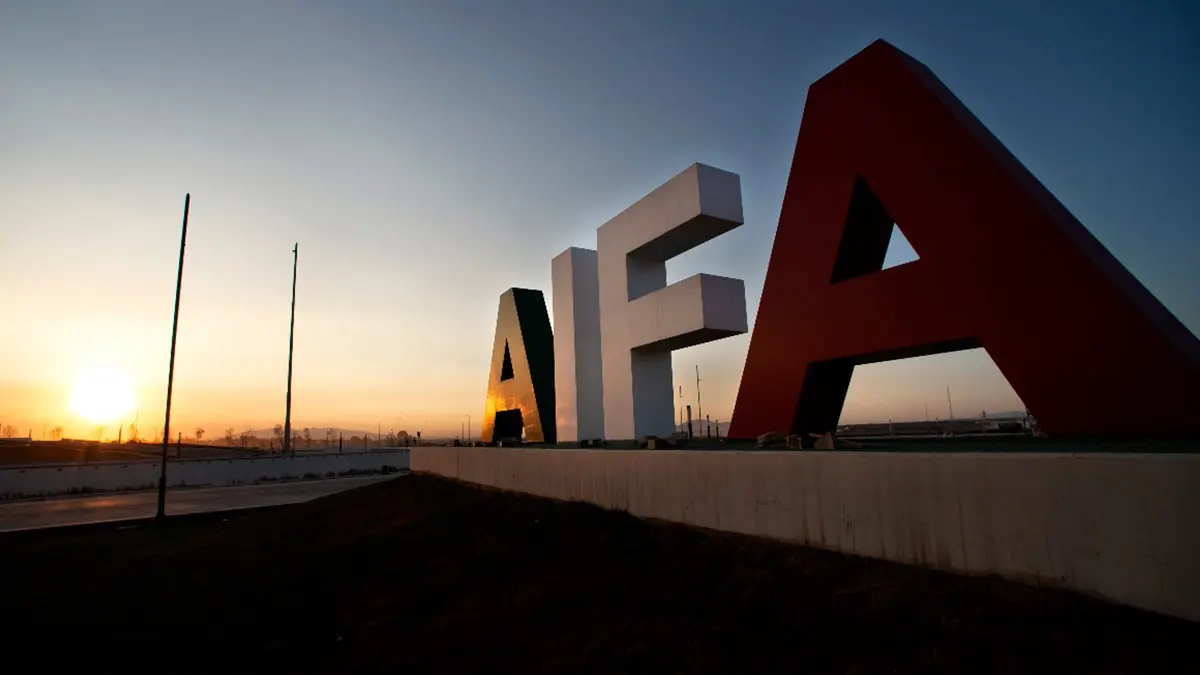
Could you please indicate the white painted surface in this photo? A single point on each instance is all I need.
(1124, 526)
(32, 481)
(578, 388)
(699, 309)
(641, 318)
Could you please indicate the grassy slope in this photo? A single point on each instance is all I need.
(427, 574)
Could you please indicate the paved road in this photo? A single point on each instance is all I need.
(28, 515)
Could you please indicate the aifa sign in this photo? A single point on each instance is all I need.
(1088, 349)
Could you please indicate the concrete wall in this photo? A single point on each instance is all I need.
(60, 479)
(1126, 527)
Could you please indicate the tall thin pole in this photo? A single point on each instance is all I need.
(950, 403)
(699, 409)
(161, 513)
(287, 415)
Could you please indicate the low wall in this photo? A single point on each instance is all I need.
(61, 479)
(1126, 527)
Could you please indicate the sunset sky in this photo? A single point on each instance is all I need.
(429, 155)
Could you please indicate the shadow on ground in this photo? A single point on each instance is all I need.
(434, 576)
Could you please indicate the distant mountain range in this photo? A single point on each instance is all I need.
(1005, 415)
(315, 432)
(721, 428)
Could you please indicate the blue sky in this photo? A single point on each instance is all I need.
(429, 155)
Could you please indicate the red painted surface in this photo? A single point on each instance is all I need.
(1002, 264)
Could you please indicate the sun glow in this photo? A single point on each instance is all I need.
(101, 395)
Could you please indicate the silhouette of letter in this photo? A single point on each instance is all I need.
(520, 393)
(578, 390)
(642, 319)
(1003, 265)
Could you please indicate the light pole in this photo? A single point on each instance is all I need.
(468, 427)
(161, 513)
(287, 415)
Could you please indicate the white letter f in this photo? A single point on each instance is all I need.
(642, 319)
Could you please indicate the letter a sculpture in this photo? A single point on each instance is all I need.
(520, 395)
(1003, 265)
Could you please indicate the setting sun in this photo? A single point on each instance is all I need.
(101, 396)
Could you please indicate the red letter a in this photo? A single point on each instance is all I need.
(1002, 265)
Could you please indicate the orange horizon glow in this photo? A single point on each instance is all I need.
(103, 402)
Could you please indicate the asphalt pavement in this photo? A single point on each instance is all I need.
(35, 514)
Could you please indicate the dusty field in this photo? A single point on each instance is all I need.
(424, 575)
(85, 452)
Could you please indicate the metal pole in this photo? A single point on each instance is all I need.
(287, 415)
(699, 408)
(950, 403)
(161, 513)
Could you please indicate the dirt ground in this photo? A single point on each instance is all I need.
(84, 452)
(424, 575)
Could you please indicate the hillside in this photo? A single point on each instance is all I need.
(425, 575)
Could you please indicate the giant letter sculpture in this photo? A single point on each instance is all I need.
(1087, 347)
(578, 388)
(643, 319)
(520, 394)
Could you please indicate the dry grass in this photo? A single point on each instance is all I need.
(425, 575)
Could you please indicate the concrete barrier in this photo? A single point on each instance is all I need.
(1122, 526)
(63, 479)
